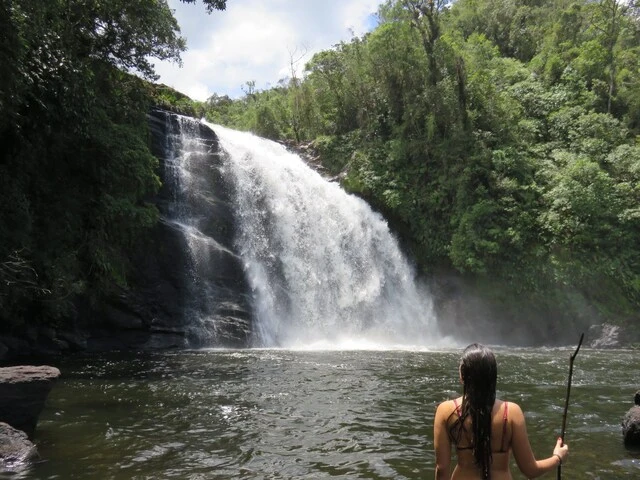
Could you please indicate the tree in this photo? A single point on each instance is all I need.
(210, 4)
(295, 91)
(607, 20)
(76, 170)
(425, 15)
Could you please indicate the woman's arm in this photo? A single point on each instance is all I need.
(441, 442)
(522, 452)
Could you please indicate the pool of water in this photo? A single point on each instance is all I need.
(282, 414)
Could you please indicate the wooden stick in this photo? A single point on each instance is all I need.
(566, 401)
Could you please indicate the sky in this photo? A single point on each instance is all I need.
(255, 40)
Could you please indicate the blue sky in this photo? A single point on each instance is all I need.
(255, 40)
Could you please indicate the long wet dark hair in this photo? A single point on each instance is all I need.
(479, 373)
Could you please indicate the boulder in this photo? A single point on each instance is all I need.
(15, 447)
(23, 391)
(631, 424)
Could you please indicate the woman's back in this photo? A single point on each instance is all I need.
(501, 433)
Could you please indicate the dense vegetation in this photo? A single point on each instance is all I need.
(76, 172)
(500, 136)
(503, 136)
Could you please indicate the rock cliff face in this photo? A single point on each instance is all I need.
(174, 299)
(178, 299)
(214, 294)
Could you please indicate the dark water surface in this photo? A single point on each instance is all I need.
(283, 414)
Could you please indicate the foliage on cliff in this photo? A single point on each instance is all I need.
(75, 168)
(502, 135)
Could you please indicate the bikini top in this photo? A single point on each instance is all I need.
(505, 418)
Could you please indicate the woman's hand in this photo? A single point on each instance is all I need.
(561, 450)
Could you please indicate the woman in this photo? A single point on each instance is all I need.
(484, 430)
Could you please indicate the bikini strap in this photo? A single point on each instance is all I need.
(455, 403)
(505, 417)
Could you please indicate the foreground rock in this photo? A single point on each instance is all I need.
(15, 447)
(631, 424)
(23, 392)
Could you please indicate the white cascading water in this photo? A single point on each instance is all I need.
(324, 269)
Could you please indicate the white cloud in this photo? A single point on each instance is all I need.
(255, 40)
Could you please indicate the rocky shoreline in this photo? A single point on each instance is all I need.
(23, 393)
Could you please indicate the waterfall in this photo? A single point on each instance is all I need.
(322, 267)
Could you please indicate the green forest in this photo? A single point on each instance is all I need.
(501, 138)
(76, 172)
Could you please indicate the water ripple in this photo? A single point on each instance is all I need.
(289, 414)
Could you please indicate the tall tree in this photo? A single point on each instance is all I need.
(608, 20)
(425, 16)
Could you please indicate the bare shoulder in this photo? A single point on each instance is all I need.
(446, 408)
(514, 407)
(515, 412)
